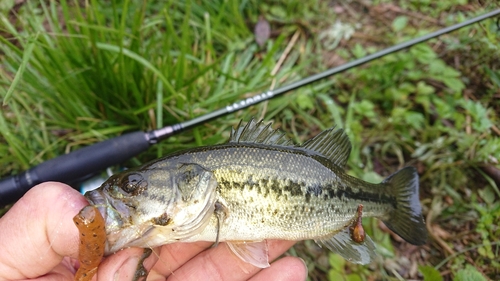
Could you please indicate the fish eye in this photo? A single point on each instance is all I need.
(133, 183)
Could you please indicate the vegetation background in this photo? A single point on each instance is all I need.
(77, 72)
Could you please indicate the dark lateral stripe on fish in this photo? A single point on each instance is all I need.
(264, 186)
(366, 196)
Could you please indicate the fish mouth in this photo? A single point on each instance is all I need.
(117, 216)
(97, 199)
(114, 212)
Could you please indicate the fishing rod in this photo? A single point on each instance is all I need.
(99, 156)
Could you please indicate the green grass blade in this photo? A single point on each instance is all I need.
(139, 59)
(22, 67)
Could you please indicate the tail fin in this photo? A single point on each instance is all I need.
(406, 219)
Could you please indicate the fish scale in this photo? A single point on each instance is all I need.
(285, 192)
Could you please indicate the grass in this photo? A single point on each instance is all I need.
(74, 73)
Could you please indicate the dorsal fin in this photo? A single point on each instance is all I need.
(332, 144)
(258, 132)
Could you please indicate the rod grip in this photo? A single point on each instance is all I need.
(79, 163)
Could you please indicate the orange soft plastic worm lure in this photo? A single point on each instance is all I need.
(357, 230)
(92, 230)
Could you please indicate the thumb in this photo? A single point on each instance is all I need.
(38, 232)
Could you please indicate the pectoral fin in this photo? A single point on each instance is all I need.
(220, 212)
(342, 243)
(255, 253)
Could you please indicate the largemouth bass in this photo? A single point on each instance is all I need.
(255, 187)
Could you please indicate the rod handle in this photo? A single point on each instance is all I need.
(79, 163)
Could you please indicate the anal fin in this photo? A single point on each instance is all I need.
(255, 253)
(342, 243)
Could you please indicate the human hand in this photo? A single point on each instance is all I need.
(39, 241)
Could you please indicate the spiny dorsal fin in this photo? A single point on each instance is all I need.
(332, 144)
(258, 132)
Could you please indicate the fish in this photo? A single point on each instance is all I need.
(258, 186)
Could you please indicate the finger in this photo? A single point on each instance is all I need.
(62, 272)
(221, 264)
(285, 269)
(173, 256)
(38, 231)
(123, 265)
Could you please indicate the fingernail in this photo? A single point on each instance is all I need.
(127, 270)
(306, 268)
(155, 276)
